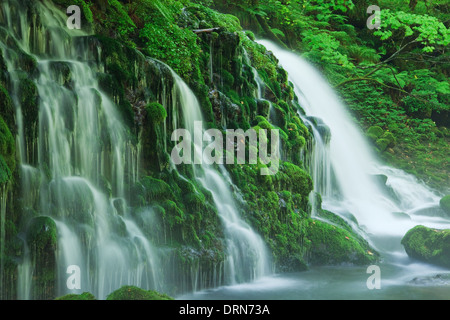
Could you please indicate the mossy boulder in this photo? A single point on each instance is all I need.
(428, 245)
(444, 203)
(135, 293)
(73, 296)
(42, 238)
(42, 234)
(331, 244)
(156, 112)
(382, 139)
(375, 132)
(297, 179)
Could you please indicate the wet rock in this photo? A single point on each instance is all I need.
(428, 245)
(401, 215)
(432, 280)
(432, 211)
(444, 203)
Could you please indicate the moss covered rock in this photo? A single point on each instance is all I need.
(42, 234)
(73, 296)
(135, 293)
(42, 238)
(375, 132)
(331, 244)
(428, 245)
(156, 112)
(7, 152)
(6, 107)
(445, 204)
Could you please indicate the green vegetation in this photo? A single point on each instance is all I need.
(445, 204)
(123, 293)
(156, 112)
(135, 293)
(7, 152)
(428, 244)
(394, 80)
(73, 296)
(394, 77)
(333, 245)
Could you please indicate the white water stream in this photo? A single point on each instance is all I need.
(247, 257)
(344, 171)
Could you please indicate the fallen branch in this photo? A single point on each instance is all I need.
(197, 31)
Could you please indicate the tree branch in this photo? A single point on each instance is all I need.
(197, 31)
(396, 53)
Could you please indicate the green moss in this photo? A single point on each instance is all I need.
(428, 245)
(375, 132)
(390, 138)
(6, 108)
(296, 179)
(28, 99)
(227, 79)
(194, 201)
(382, 144)
(42, 240)
(156, 112)
(332, 245)
(42, 234)
(135, 293)
(73, 296)
(87, 13)
(7, 152)
(173, 214)
(155, 189)
(445, 204)
(164, 40)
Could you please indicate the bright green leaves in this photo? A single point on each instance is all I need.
(427, 30)
(324, 9)
(171, 44)
(325, 44)
(119, 18)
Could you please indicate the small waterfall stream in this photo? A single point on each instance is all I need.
(345, 173)
(77, 169)
(80, 144)
(345, 170)
(247, 256)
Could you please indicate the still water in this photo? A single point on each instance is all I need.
(411, 281)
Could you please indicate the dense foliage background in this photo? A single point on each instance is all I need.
(395, 77)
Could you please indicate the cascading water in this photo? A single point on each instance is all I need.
(345, 169)
(344, 172)
(259, 93)
(247, 256)
(76, 166)
(81, 145)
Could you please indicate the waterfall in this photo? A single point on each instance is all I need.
(247, 256)
(259, 93)
(79, 161)
(345, 169)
